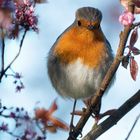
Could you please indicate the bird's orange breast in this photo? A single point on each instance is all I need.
(81, 43)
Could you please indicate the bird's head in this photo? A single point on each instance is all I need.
(88, 17)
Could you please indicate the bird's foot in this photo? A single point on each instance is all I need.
(100, 116)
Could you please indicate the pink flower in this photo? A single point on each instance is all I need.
(4, 127)
(126, 18)
(25, 15)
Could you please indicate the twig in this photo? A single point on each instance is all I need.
(2, 53)
(112, 70)
(20, 47)
(138, 117)
(43, 131)
(114, 118)
(13, 135)
(18, 117)
(135, 25)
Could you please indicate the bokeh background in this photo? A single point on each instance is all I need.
(54, 17)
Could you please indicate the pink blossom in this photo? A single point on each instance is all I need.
(4, 127)
(126, 18)
(25, 15)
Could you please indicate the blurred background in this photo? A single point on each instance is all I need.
(54, 18)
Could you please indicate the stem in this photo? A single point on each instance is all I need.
(20, 47)
(138, 117)
(13, 135)
(43, 131)
(137, 24)
(2, 54)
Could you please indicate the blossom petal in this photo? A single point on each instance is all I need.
(126, 18)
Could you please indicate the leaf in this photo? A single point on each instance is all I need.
(40, 113)
(137, 3)
(135, 51)
(137, 6)
(134, 37)
(137, 10)
(44, 114)
(52, 129)
(58, 123)
(52, 108)
(125, 61)
(133, 68)
(46, 117)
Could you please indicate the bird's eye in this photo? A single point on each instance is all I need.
(79, 23)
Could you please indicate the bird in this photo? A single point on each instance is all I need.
(80, 57)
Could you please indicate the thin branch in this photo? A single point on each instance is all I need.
(138, 117)
(137, 24)
(43, 131)
(13, 135)
(111, 72)
(20, 47)
(9, 117)
(2, 53)
(114, 118)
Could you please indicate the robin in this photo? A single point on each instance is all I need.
(80, 57)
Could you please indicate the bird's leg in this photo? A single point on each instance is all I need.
(95, 110)
(72, 117)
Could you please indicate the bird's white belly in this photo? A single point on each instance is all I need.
(80, 81)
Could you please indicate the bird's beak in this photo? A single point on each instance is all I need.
(91, 27)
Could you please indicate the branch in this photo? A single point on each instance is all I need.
(114, 118)
(111, 72)
(13, 135)
(20, 47)
(137, 24)
(2, 53)
(138, 117)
